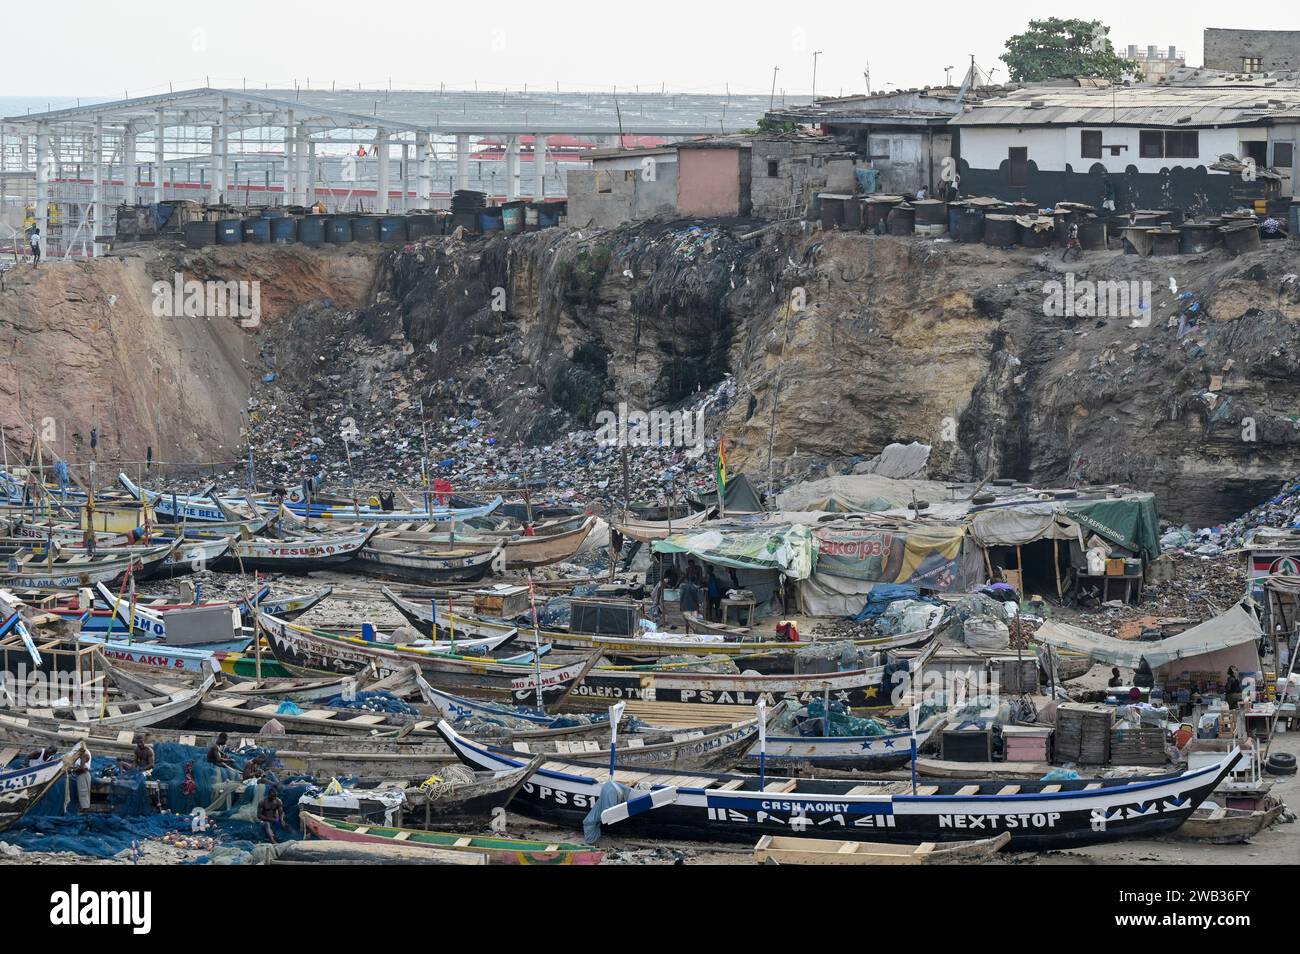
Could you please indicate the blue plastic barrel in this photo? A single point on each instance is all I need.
(284, 230)
(365, 228)
(512, 217)
(548, 215)
(257, 229)
(490, 220)
(338, 230)
(230, 231)
(392, 228)
(311, 229)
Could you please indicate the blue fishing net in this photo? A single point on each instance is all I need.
(373, 700)
(187, 781)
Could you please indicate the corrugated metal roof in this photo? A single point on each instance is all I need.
(1160, 105)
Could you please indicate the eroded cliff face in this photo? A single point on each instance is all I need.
(85, 348)
(838, 345)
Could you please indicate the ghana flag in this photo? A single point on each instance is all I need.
(721, 472)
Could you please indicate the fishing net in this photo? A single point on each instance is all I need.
(711, 663)
(811, 720)
(448, 779)
(185, 781)
(373, 700)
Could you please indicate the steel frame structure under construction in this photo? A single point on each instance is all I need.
(68, 168)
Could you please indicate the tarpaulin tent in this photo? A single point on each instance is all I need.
(740, 497)
(1235, 628)
(1130, 521)
(853, 559)
(785, 548)
(858, 493)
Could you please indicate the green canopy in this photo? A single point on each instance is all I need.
(1130, 521)
(785, 548)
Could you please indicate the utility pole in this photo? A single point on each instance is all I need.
(771, 102)
(816, 53)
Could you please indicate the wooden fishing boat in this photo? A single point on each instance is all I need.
(842, 752)
(773, 849)
(452, 801)
(306, 651)
(205, 507)
(715, 807)
(1216, 825)
(690, 749)
(499, 851)
(321, 757)
(647, 530)
(873, 685)
(171, 709)
(302, 852)
(767, 656)
(521, 551)
(70, 569)
(346, 512)
(21, 788)
(938, 768)
(299, 555)
(397, 559)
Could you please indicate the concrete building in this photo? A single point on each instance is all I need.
(1154, 63)
(903, 135)
(623, 185)
(1160, 146)
(378, 150)
(713, 178)
(1251, 51)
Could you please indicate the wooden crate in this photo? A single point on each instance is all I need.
(1083, 733)
(1027, 743)
(972, 742)
(503, 602)
(1144, 745)
(1017, 675)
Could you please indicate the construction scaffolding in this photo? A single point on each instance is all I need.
(66, 171)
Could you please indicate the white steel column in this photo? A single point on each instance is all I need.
(221, 174)
(290, 133)
(381, 154)
(422, 184)
(406, 177)
(43, 181)
(302, 148)
(512, 167)
(160, 129)
(462, 161)
(130, 167)
(97, 184)
(539, 167)
(214, 169)
(311, 172)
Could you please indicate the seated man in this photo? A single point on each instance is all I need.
(270, 813)
(217, 754)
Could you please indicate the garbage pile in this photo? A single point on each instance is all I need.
(382, 444)
(1281, 512)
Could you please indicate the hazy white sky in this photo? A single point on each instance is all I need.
(106, 49)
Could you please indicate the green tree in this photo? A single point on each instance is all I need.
(1064, 49)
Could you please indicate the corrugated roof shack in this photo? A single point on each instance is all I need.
(788, 172)
(1158, 144)
(904, 135)
(623, 185)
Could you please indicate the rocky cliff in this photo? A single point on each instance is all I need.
(1180, 375)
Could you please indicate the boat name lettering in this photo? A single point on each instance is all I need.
(1026, 820)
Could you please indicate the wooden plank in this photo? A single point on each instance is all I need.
(967, 790)
(787, 786)
(1048, 789)
(927, 789)
(1009, 790)
(734, 784)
